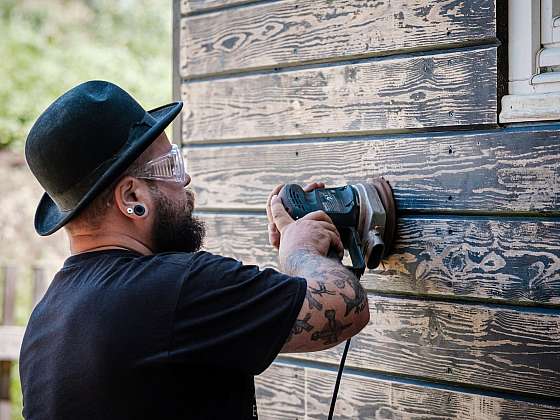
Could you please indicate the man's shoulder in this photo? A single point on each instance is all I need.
(186, 259)
(199, 264)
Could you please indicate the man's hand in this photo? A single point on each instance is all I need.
(273, 233)
(314, 233)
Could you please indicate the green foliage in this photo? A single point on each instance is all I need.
(49, 46)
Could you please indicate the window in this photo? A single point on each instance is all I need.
(534, 61)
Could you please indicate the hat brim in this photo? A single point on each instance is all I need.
(49, 218)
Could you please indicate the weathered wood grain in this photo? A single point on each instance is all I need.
(196, 6)
(513, 260)
(483, 346)
(294, 32)
(498, 170)
(371, 398)
(285, 391)
(280, 393)
(436, 90)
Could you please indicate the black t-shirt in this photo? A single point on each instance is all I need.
(167, 336)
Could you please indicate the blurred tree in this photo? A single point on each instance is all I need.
(48, 46)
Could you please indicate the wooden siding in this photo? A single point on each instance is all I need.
(292, 32)
(307, 390)
(281, 393)
(465, 315)
(514, 170)
(436, 90)
(476, 345)
(509, 259)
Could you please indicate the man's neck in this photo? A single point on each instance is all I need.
(87, 242)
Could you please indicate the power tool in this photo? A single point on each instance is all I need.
(364, 215)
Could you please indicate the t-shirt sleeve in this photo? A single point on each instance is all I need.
(233, 315)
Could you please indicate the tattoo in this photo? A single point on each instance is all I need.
(322, 289)
(300, 325)
(313, 303)
(358, 303)
(326, 273)
(331, 329)
(339, 280)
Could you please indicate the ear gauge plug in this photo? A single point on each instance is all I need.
(139, 210)
(129, 210)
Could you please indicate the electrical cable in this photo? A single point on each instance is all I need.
(338, 377)
(339, 374)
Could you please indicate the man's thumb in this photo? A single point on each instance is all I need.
(280, 216)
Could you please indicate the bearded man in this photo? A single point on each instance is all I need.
(139, 323)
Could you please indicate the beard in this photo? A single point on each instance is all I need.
(175, 228)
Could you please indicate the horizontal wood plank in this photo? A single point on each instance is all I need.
(435, 90)
(281, 389)
(292, 32)
(476, 345)
(511, 260)
(280, 392)
(499, 170)
(198, 6)
(371, 398)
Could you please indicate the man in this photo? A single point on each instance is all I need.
(139, 323)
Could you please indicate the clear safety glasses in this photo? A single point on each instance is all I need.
(168, 167)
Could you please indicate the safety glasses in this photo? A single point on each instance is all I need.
(168, 167)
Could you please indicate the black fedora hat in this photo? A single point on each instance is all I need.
(83, 142)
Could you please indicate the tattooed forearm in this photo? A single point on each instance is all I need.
(321, 289)
(331, 330)
(340, 279)
(356, 304)
(313, 303)
(335, 305)
(327, 273)
(300, 326)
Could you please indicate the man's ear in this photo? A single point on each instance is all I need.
(133, 198)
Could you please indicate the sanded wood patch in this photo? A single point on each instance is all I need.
(292, 32)
(501, 170)
(191, 6)
(436, 90)
(369, 398)
(513, 260)
(484, 346)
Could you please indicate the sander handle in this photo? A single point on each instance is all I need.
(340, 204)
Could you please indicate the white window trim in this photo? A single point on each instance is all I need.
(533, 48)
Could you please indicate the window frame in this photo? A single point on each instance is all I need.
(534, 62)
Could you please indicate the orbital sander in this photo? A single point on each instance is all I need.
(364, 215)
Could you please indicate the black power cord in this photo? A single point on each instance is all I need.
(338, 377)
(340, 369)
